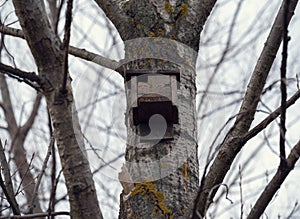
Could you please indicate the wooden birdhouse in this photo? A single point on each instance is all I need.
(153, 98)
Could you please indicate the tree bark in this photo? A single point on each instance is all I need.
(164, 176)
(45, 48)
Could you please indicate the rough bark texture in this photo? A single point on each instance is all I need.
(45, 49)
(234, 141)
(165, 175)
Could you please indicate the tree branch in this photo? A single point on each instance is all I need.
(37, 215)
(80, 53)
(7, 186)
(38, 182)
(66, 43)
(275, 183)
(28, 124)
(19, 74)
(113, 9)
(45, 48)
(233, 142)
(282, 127)
(263, 124)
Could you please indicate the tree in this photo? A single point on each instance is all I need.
(160, 179)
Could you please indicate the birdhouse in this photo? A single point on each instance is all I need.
(153, 99)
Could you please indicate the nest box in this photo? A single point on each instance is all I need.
(153, 99)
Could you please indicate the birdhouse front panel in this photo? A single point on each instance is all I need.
(155, 86)
(153, 94)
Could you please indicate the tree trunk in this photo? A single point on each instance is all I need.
(165, 173)
(160, 178)
(48, 56)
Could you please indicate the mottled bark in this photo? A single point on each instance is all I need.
(165, 175)
(45, 48)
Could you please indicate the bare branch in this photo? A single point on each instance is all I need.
(31, 76)
(263, 124)
(28, 124)
(11, 31)
(37, 215)
(7, 186)
(223, 56)
(55, 13)
(275, 183)
(49, 60)
(38, 182)
(98, 59)
(80, 53)
(283, 85)
(18, 135)
(65, 45)
(241, 192)
(233, 142)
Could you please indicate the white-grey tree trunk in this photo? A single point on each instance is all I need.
(163, 177)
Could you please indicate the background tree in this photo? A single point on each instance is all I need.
(153, 192)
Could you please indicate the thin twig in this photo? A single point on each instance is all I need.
(263, 124)
(241, 192)
(7, 186)
(38, 182)
(37, 215)
(234, 142)
(224, 54)
(52, 199)
(26, 172)
(273, 186)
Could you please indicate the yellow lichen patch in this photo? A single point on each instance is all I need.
(163, 164)
(131, 215)
(138, 26)
(184, 9)
(151, 34)
(186, 171)
(160, 32)
(132, 21)
(169, 8)
(150, 192)
(171, 37)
